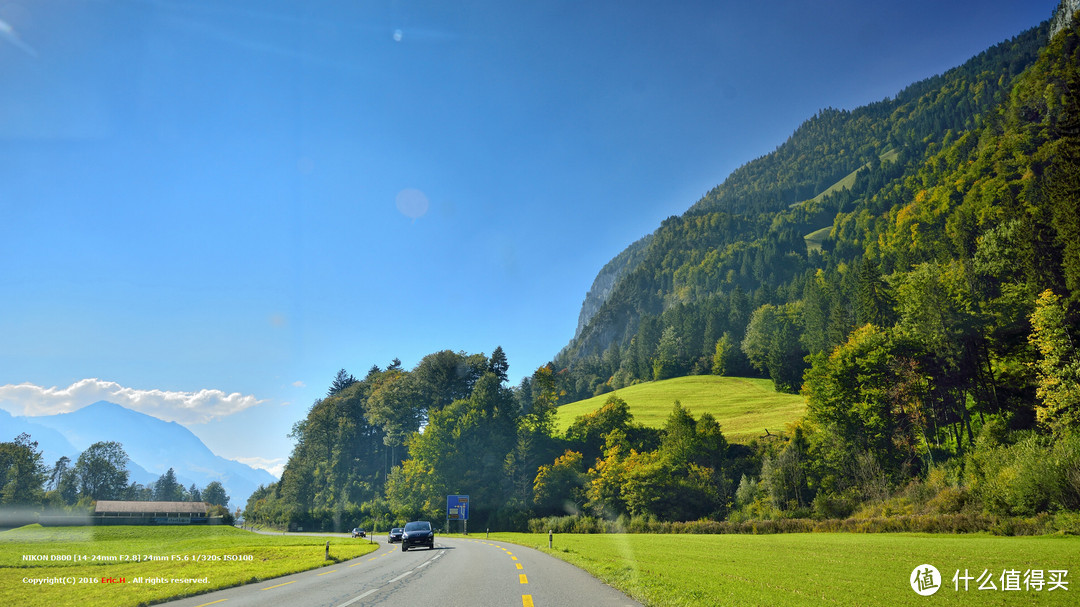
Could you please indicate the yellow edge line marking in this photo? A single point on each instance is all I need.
(526, 600)
(355, 564)
(280, 585)
(213, 602)
(523, 579)
(328, 572)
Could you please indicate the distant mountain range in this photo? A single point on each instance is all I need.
(153, 445)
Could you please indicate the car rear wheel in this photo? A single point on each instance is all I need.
(404, 548)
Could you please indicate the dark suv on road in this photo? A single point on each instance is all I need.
(395, 534)
(417, 533)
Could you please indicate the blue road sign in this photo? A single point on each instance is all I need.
(457, 507)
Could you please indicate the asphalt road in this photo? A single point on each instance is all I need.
(458, 572)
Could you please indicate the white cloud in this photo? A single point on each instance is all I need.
(299, 384)
(274, 466)
(183, 407)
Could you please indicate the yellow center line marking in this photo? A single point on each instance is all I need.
(514, 558)
(523, 579)
(355, 564)
(279, 585)
(519, 565)
(328, 572)
(526, 600)
(213, 602)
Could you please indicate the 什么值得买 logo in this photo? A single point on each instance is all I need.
(925, 580)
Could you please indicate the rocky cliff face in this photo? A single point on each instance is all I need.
(606, 279)
(1064, 15)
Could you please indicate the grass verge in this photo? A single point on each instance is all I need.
(814, 568)
(155, 563)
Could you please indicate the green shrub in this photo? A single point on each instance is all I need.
(1035, 474)
(828, 506)
(949, 500)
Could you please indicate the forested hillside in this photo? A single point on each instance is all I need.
(742, 246)
(932, 332)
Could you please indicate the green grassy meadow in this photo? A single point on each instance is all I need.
(214, 557)
(815, 238)
(847, 181)
(813, 568)
(744, 407)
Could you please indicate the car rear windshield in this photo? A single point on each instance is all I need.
(419, 526)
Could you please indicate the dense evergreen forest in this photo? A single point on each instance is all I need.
(912, 267)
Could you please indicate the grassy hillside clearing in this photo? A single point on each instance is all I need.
(744, 407)
(814, 568)
(185, 561)
(814, 239)
(849, 180)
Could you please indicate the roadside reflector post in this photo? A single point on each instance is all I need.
(328, 550)
(550, 538)
(487, 532)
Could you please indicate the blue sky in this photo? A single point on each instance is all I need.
(210, 207)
